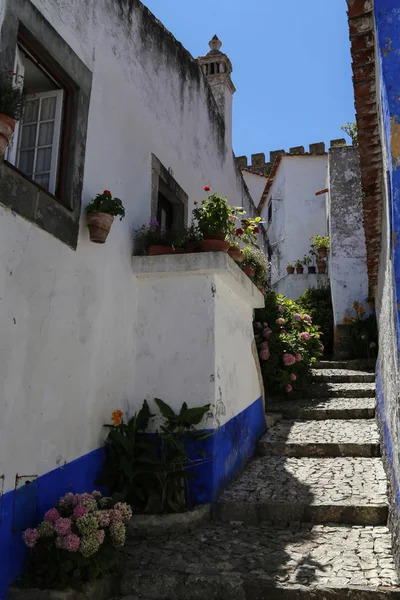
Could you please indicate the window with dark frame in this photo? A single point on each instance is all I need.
(165, 213)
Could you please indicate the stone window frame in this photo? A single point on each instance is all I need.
(163, 181)
(58, 216)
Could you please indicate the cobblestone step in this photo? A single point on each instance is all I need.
(342, 376)
(326, 408)
(358, 364)
(224, 561)
(342, 390)
(327, 438)
(328, 490)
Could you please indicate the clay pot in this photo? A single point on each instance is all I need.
(191, 248)
(99, 225)
(261, 290)
(213, 245)
(322, 252)
(177, 250)
(236, 254)
(321, 266)
(299, 270)
(249, 270)
(214, 236)
(312, 270)
(156, 250)
(290, 270)
(7, 126)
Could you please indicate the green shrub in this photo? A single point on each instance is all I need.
(362, 338)
(317, 302)
(288, 344)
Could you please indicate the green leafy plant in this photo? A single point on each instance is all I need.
(151, 471)
(298, 263)
(288, 344)
(151, 235)
(105, 203)
(319, 241)
(317, 302)
(192, 235)
(256, 258)
(248, 231)
(290, 266)
(214, 215)
(362, 332)
(307, 260)
(351, 130)
(13, 95)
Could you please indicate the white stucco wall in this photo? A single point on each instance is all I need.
(294, 285)
(256, 185)
(297, 213)
(68, 319)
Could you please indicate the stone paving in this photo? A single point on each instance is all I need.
(342, 390)
(342, 376)
(326, 408)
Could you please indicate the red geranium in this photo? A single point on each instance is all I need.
(256, 230)
(207, 188)
(107, 193)
(239, 231)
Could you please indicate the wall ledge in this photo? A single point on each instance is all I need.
(201, 263)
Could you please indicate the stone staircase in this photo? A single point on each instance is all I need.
(305, 520)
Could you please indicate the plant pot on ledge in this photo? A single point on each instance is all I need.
(99, 225)
(249, 270)
(213, 245)
(312, 270)
(300, 270)
(7, 126)
(159, 250)
(321, 264)
(290, 270)
(322, 252)
(236, 254)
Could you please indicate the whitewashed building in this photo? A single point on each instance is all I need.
(121, 106)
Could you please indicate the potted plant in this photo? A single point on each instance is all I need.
(155, 242)
(215, 219)
(321, 264)
(262, 269)
(299, 267)
(13, 98)
(290, 269)
(76, 545)
(321, 245)
(192, 238)
(100, 215)
(250, 260)
(312, 255)
(235, 251)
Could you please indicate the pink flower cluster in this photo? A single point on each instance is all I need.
(267, 332)
(307, 318)
(297, 317)
(81, 523)
(289, 388)
(293, 376)
(305, 336)
(281, 309)
(288, 359)
(298, 357)
(280, 321)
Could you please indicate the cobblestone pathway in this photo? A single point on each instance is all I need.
(305, 520)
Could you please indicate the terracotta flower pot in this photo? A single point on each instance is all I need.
(236, 254)
(322, 252)
(156, 250)
(214, 236)
(99, 225)
(261, 290)
(299, 270)
(321, 266)
(191, 248)
(177, 250)
(249, 270)
(213, 245)
(7, 126)
(290, 270)
(312, 270)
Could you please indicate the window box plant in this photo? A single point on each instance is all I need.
(100, 215)
(321, 264)
(255, 265)
(12, 103)
(321, 245)
(299, 267)
(309, 260)
(192, 238)
(155, 242)
(290, 269)
(215, 219)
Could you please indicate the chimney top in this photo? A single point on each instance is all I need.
(215, 44)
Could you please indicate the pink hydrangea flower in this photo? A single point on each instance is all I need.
(280, 321)
(30, 537)
(283, 332)
(101, 534)
(79, 511)
(103, 517)
(96, 494)
(288, 359)
(293, 376)
(267, 333)
(265, 354)
(67, 501)
(321, 348)
(63, 526)
(298, 357)
(71, 542)
(288, 388)
(305, 335)
(281, 309)
(264, 345)
(259, 325)
(297, 317)
(52, 516)
(307, 318)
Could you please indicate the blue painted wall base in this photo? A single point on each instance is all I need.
(228, 450)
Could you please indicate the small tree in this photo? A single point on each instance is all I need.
(350, 129)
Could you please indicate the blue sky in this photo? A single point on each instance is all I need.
(291, 65)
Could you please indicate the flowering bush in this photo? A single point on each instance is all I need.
(317, 302)
(105, 203)
(76, 541)
(214, 215)
(362, 339)
(151, 235)
(319, 241)
(257, 259)
(288, 344)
